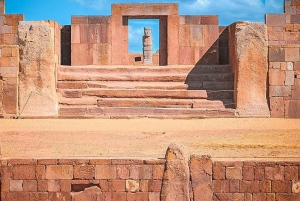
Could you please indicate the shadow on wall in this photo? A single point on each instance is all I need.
(213, 72)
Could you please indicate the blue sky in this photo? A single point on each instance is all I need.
(229, 11)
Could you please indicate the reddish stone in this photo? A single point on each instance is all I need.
(292, 109)
(248, 173)
(116, 185)
(47, 161)
(59, 172)
(16, 185)
(276, 77)
(249, 187)
(275, 20)
(42, 185)
(234, 173)
(79, 20)
(65, 185)
(89, 194)
(234, 186)
(155, 185)
(58, 196)
(84, 172)
(218, 173)
(276, 36)
(276, 54)
(30, 185)
(137, 196)
(21, 172)
(158, 171)
(115, 196)
(141, 172)
(221, 186)
(39, 196)
(123, 171)
(279, 91)
(154, 196)
(105, 172)
(53, 185)
(281, 186)
(274, 173)
(277, 107)
(144, 186)
(265, 186)
(209, 20)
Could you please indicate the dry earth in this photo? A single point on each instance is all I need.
(220, 138)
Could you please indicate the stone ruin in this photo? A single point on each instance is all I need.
(147, 46)
(84, 70)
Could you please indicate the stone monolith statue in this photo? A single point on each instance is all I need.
(147, 46)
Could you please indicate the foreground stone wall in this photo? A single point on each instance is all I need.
(284, 61)
(9, 62)
(142, 179)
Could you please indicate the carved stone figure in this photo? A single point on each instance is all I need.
(147, 46)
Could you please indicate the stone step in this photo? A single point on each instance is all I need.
(134, 112)
(206, 85)
(135, 93)
(144, 77)
(184, 69)
(220, 94)
(159, 103)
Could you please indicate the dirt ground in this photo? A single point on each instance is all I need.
(149, 138)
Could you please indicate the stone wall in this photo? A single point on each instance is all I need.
(198, 40)
(9, 62)
(143, 179)
(91, 40)
(284, 61)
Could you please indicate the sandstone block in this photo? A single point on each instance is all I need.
(132, 185)
(276, 54)
(105, 172)
(201, 175)
(289, 78)
(59, 172)
(116, 185)
(291, 173)
(292, 54)
(250, 57)
(276, 77)
(53, 185)
(220, 186)
(79, 20)
(249, 187)
(89, 194)
(176, 177)
(16, 185)
(292, 109)
(281, 186)
(37, 79)
(275, 20)
(274, 173)
(83, 172)
(277, 107)
(155, 185)
(24, 172)
(296, 187)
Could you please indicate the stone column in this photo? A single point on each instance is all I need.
(147, 46)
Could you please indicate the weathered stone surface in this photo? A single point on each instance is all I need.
(201, 175)
(175, 185)
(1, 97)
(89, 194)
(249, 55)
(37, 85)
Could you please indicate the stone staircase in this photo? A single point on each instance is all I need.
(145, 91)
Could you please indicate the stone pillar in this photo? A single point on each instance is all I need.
(147, 46)
(176, 177)
(248, 48)
(37, 77)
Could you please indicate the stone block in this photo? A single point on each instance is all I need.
(37, 79)
(137, 196)
(75, 33)
(10, 98)
(210, 35)
(276, 54)
(84, 172)
(276, 77)
(123, 171)
(94, 33)
(184, 35)
(249, 187)
(16, 185)
(290, 37)
(221, 186)
(173, 39)
(276, 36)
(296, 92)
(155, 185)
(274, 173)
(132, 185)
(53, 185)
(292, 54)
(289, 66)
(277, 107)
(141, 172)
(209, 20)
(248, 173)
(10, 39)
(218, 173)
(295, 19)
(279, 91)
(234, 173)
(296, 187)
(13, 19)
(281, 186)
(89, 194)
(105, 172)
(196, 35)
(291, 173)
(192, 20)
(292, 109)
(59, 172)
(201, 176)
(289, 78)
(79, 20)
(24, 172)
(176, 177)
(186, 56)
(84, 33)
(158, 172)
(80, 54)
(276, 20)
(250, 43)
(234, 186)
(116, 185)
